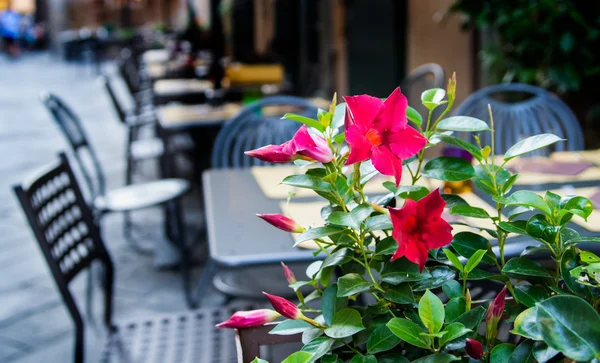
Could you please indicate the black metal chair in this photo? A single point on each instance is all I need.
(425, 76)
(70, 241)
(165, 192)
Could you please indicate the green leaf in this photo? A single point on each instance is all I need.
(400, 294)
(453, 200)
(337, 258)
(452, 289)
(311, 334)
(318, 347)
(345, 323)
(352, 219)
(318, 232)
(359, 358)
(501, 353)
(472, 318)
(568, 262)
(386, 246)
(570, 325)
(392, 358)
(468, 211)
(298, 357)
(455, 308)
(339, 115)
(579, 206)
(523, 353)
(290, 327)
(517, 227)
(409, 332)
(479, 274)
(453, 259)
(467, 243)
(432, 98)
(382, 339)
(531, 144)
(485, 182)
(258, 360)
(414, 116)
(462, 123)
(378, 222)
(437, 358)
(526, 325)
(454, 331)
(474, 260)
(330, 303)
(308, 182)
(509, 183)
(339, 138)
(529, 295)
(439, 276)
(402, 270)
(575, 241)
(351, 284)
(305, 120)
(431, 312)
(519, 267)
(465, 145)
(526, 198)
(449, 168)
(543, 353)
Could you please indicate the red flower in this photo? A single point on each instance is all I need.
(282, 222)
(302, 146)
(419, 227)
(249, 319)
(474, 348)
(378, 130)
(284, 307)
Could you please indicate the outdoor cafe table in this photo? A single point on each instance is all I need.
(237, 238)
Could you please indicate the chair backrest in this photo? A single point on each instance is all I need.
(128, 69)
(70, 125)
(64, 228)
(426, 76)
(536, 111)
(250, 129)
(114, 99)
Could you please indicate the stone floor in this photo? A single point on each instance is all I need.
(34, 326)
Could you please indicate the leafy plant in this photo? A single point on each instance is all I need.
(545, 42)
(407, 260)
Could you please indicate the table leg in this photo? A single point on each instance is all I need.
(205, 282)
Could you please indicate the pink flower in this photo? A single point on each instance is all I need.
(284, 307)
(493, 315)
(302, 146)
(419, 227)
(378, 130)
(474, 348)
(289, 274)
(271, 154)
(249, 319)
(282, 222)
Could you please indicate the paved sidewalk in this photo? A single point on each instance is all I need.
(34, 326)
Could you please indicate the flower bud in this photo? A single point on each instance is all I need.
(249, 319)
(282, 222)
(451, 90)
(468, 300)
(271, 154)
(284, 307)
(474, 348)
(289, 274)
(493, 315)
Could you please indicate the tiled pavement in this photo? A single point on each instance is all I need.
(34, 326)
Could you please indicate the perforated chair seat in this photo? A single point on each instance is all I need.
(182, 338)
(144, 195)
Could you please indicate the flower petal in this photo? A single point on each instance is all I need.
(393, 117)
(437, 233)
(387, 163)
(271, 154)
(406, 143)
(400, 218)
(416, 252)
(312, 146)
(360, 147)
(364, 108)
(431, 205)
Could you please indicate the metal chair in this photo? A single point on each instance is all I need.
(70, 241)
(249, 130)
(426, 76)
(520, 111)
(165, 192)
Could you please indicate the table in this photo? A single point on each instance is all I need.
(237, 238)
(155, 56)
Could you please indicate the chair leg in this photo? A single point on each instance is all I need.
(185, 253)
(206, 281)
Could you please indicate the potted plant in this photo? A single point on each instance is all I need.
(402, 291)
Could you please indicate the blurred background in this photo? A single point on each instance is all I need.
(177, 79)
